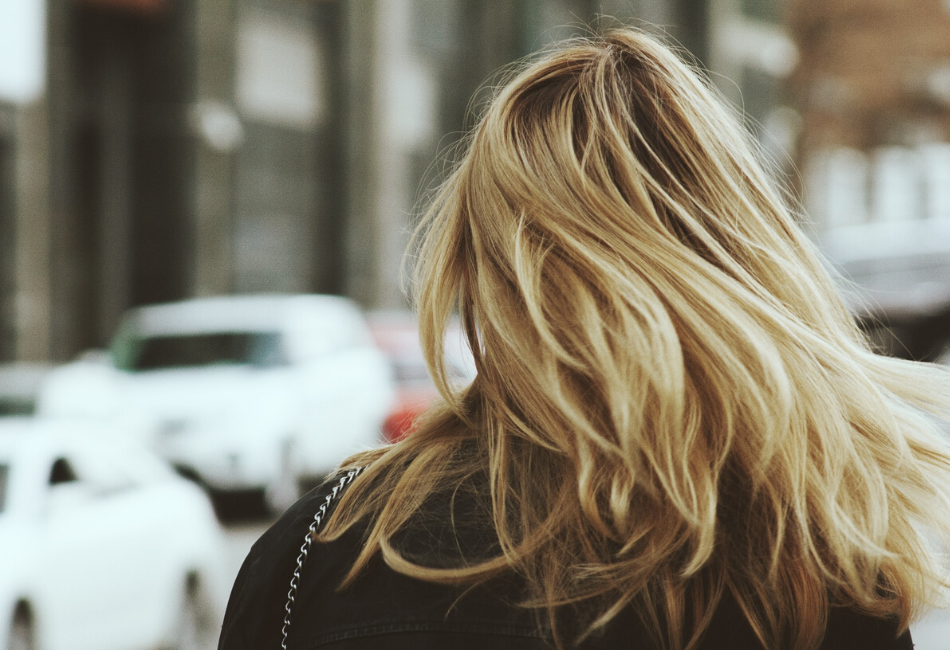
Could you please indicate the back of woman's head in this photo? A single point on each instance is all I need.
(671, 400)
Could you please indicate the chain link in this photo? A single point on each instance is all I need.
(318, 519)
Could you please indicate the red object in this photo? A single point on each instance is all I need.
(404, 417)
(397, 335)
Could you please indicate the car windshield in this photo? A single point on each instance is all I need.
(4, 471)
(259, 349)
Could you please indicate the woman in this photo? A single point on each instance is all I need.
(677, 437)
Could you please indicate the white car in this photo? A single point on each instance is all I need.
(19, 384)
(242, 392)
(102, 545)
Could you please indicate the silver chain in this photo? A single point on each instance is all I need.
(308, 541)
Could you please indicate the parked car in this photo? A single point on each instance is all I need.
(397, 334)
(19, 384)
(241, 392)
(102, 545)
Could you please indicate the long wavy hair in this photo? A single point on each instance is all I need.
(672, 403)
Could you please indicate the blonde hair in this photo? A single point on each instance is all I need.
(672, 402)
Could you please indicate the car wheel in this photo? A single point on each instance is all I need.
(22, 635)
(284, 491)
(196, 628)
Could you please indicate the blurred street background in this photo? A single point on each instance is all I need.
(158, 151)
(153, 150)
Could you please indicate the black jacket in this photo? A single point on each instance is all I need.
(386, 610)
